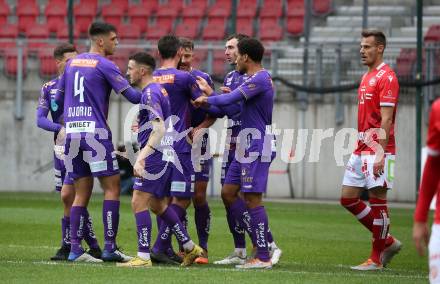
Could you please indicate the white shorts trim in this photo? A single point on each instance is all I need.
(359, 172)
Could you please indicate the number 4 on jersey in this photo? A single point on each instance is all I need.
(78, 88)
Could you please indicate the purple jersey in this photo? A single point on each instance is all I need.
(198, 115)
(258, 91)
(181, 88)
(47, 101)
(154, 105)
(87, 83)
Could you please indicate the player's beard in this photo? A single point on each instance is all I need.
(182, 66)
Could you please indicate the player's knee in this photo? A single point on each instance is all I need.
(199, 199)
(67, 196)
(227, 197)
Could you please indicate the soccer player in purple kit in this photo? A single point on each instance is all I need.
(252, 168)
(181, 88)
(235, 206)
(152, 168)
(63, 183)
(200, 121)
(87, 83)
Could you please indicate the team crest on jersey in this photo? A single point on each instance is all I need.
(372, 82)
(251, 86)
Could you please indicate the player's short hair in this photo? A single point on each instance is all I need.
(237, 36)
(378, 35)
(60, 49)
(252, 47)
(186, 43)
(168, 46)
(144, 58)
(101, 28)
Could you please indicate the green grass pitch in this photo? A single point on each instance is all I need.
(319, 243)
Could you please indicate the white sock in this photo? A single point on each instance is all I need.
(188, 246)
(273, 245)
(143, 255)
(240, 251)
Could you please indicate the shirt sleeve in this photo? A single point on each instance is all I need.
(193, 88)
(155, 108)
(210, 82)
(433, 140)
(253, 87)
(59, 96)
(115, 78)
(44, 99)
(389, 90)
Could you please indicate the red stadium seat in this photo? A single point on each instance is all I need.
(271, 9)
(162, 27)
(433, 34)
(84, 13)
(405, 62)
(221, 9)
(218, 67)
(27, 14)
(129, 33)
(113, 13)
(48, 68)
(11, 67)
(8, 35)
(245, 26)
(322, 7)
(140, 14)
(36, 34)
(270, 30)
(188, 28)
(247, 9)
(4, 12)
(215, 29)
(63, 32)
(295, 25)
(121, 59)
(197, 9)
(56, 13)
(170, 10)
(295, 8)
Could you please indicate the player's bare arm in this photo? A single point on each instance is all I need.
(153, 141)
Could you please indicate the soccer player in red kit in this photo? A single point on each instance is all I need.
(428, 188)
(371, 166)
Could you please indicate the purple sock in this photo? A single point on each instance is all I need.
(170, 217)
(143, 224)
(110, 218)
(236, 231)
(202, 216)
(163, 240)
(269, 236)
(77, 223)
(181, 214)
(259, 225)
(241, 215)
(65, 231)
(89, 233)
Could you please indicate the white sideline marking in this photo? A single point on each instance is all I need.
(28, 247)
(96, 265)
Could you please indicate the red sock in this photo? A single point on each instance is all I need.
(360, 210)
(363, 213)
(381, 225)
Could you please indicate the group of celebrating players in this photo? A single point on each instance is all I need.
(177, 105)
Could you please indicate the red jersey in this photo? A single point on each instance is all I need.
(430, 182)
(378, 88)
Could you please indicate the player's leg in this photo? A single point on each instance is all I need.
(253, 185)
(202, 212)
(139, 205)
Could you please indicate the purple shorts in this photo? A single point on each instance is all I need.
(226, 165)
(60, 173)
(159, 183)
(86, 157)
(252, 177)
(182, 181)
(203, 174)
